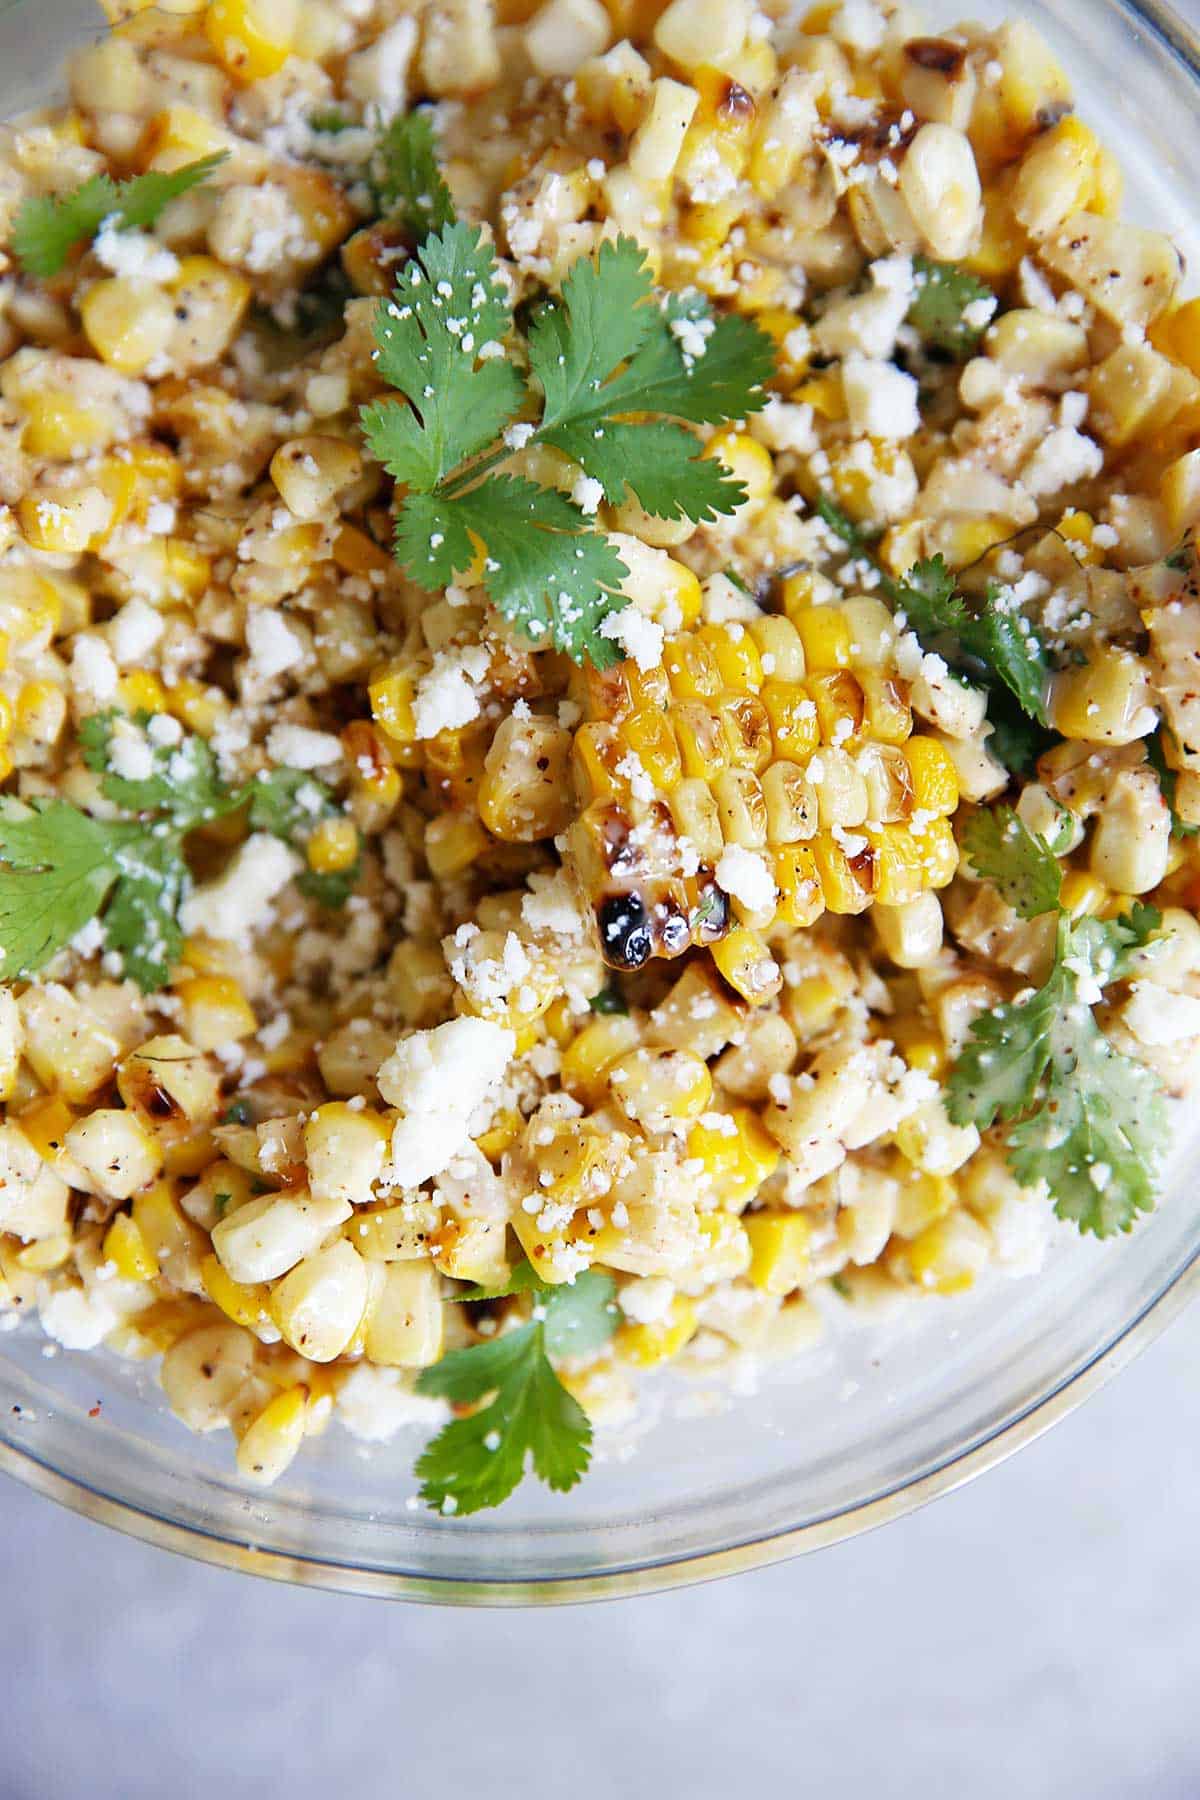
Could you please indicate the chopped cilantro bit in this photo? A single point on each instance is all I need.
(609, 1000)
(47, 229)
(601, 357)
(947, 310)
(1023, 867)
(408, 182)
(1168, 778)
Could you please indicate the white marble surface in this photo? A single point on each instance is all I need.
(1036, 1635)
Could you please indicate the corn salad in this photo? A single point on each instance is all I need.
(659, 968)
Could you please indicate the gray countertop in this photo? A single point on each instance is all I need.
(1035, 1634)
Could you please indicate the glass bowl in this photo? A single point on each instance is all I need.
(873, 1423)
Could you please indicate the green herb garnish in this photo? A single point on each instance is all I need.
(477, 1461)
(1168, 778)
(47, 229)
(408, 183)
(598, 355)
(1081, 1117)
(939, 311)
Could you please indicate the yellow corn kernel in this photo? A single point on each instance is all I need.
(66, 521)
(649, 1345)
(252, 38)
(45, 1254)
(847, 887)
(128, 1251)
(174, 1242)
(793, 344)
(800, 900)
(472, 1250)
(333, 847)
(1077, 529)
(390, 692)
(780, 1246)
(454, 841)
(795, 727)
(41, 711)
(30, 606)
(824, 394)
(501, 1134)
(949, 1254)
(1104, 700)
(213, 300)
(602, 1040)
(726, 1253)
(140, 690)
(747, 460)
(826, 636)
(934, 779)
(650, 738)
(375, 782)
(128, 321)
(180, 134)
(246, 1303)
(736, 1160)
(736, 655)
(57, 426)
(660, 1088)
(920, 1047)
(691, 668)
(748, 966)
(271, 1442)
(198, 707)
(1082, 893)
(46, 1124)
(215, 1011)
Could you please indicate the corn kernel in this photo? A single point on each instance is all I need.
(128, 1251)
(748, 966)
(332, 847)
(747, 460)
(649, 1345)
(736, 1161)
(780, 1250)
(271, 1442)
(252, 38)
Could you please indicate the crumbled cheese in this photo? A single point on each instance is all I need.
(639, 637)
(129, 754)
(299, 747)
(725, 603)
(858, 23)
(552, 905)
(587, 493)
(378, 75)
(1063, 457)
(75, 1318)
(134, 254)
(438, 1078)
(447, 696)
(787, 425)
(134, 631)
(977, 314)
(881, 400)
(646, 1299)
(241, 899)
(93, 670)
(375, 1403)
(745, 876)
(273, 647)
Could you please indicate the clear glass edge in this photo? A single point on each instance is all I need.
(658, 1576)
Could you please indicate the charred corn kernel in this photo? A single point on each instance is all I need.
(140, 690)
(660, 1088)
(780, 1250)
(934, 780)
(332, 847)
(737, 1156)
(128, 321)
(252, 38)
(651, 740)
(841, 705)
(41, 711)
(525, 791)
(246, 1303)
(271, 1441)
(747, 460)
(847, 885)
(663, 1339)
(691, 668)
(795, 728)
(948, 1255)
(826, 636)
(800, 900)
(586, 1059)
(1082, 893)
(128, 1251)
(748, 966)
(390, 693)
(214, 1011)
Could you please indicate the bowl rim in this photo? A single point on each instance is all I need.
(662, 1574)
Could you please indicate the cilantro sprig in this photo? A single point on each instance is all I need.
(60, 867)
(994, 648)
(478, 1460)
(617, 379)
(408, 184)
(1081, 1117)
(47, 228)
(1168, 778)
(944, 293)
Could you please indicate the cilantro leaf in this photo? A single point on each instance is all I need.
(477, 1461)
(1084, 1119)
(944, 292)
(59, 866)
(610, 999)
(1023, 867)
(47, 229)
(142, 918)
(605, 349)
(448, 305)
(545, 569)
(1168, 778)
(184, 783)
(407, 180)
